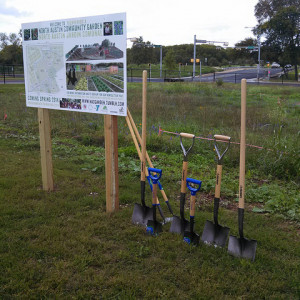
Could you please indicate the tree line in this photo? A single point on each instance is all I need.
(278, 27)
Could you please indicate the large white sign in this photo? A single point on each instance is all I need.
(77, 64)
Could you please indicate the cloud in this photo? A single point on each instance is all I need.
(9, 10)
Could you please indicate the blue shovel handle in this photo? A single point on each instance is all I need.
(155, 177)
(195, 181)
(150, 184)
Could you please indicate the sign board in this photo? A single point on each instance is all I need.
(77, 64)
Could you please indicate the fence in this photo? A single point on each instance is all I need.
(8, 72)
(134, 75)
(15, 73)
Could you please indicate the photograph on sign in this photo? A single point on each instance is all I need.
(77, 64)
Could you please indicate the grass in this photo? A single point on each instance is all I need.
(63, 245)
(184, 71)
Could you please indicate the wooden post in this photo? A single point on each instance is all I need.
(111, 163)
(46, 149)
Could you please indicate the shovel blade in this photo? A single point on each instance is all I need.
(215, 234)
(179, 226)
(141, 214)
(242, 247)
(191, 238)
(153, 227)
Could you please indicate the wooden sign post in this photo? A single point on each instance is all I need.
(46, 149)
(111, 163)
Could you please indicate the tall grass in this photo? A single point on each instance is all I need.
(63, 245)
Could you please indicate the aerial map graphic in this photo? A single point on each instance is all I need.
(45, 63)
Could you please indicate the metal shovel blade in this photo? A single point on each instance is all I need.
(191, 238)
(141, 214)
(215, 234)
(179, 225)
(242, 247)
(154, 227)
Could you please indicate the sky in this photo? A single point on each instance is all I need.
(162, 22)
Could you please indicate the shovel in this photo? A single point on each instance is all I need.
(153, 226)
(137, 138)
(142, 213)
(242, 247)
(180, 225)
(146, 172)
(192, 237)
(214, 233)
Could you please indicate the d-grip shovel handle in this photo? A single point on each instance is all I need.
(189, 136)
(154, 177)
(193, 200)
(185, 163)
(193, 193)
(223, 138)
(192, 189)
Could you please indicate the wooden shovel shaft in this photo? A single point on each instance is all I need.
(192, 205)
(144, 121)
(183, 176)
(242, 145)
(154, 194)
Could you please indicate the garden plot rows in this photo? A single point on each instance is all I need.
(105, 83)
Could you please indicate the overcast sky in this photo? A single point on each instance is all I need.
(165, 22)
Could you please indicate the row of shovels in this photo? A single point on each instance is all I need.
(213, 233)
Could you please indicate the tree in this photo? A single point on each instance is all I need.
(11, 49)
(279, 21)
(142, 53)
(169, 60)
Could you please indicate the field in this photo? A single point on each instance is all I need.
(63, 245)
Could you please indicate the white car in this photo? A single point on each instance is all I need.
(275, 65)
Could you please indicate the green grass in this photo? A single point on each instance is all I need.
(185, 71)
(63, 245)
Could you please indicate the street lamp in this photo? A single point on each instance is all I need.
(203, 42)
(133, 39)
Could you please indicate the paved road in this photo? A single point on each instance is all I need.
(232, 76)
(235, 76)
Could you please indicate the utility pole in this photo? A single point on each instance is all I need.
(258, 65)
(194, 63)
(202, 42)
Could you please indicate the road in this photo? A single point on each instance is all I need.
(236, 75)
(231, 76)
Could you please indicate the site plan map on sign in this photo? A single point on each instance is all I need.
(45, 70)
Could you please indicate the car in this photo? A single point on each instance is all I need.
(288, 66)
(275, 65)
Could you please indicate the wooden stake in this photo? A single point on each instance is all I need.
(111, 163)
(46, 149)
(144, 121)
(243, 144)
